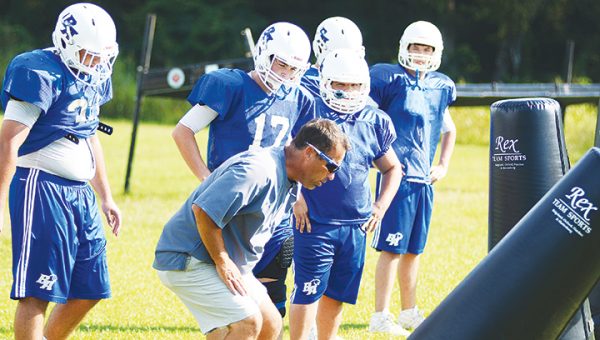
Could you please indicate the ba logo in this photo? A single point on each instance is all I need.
(579, 203)
(322, 32)
(68, 23)
(310, 288)
(394, 239)
(46, 281)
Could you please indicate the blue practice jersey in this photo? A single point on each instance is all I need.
(311, 81)
(247, 116)
(416, 108)
(67, 105)
(347, 198)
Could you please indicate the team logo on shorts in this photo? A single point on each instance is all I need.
(47, 281)
(394, 239)
(310, 288)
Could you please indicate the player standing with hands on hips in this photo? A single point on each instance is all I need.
(416, 98)
(332, 221)
(50, 149)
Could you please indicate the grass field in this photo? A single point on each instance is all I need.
(141, 308)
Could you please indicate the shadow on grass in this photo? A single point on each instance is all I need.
(353, 326)
(133, 328)
(116, 328)
(344, 326)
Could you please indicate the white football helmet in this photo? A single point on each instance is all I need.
(335, 33)
(424, 33)
(88, 28)
(345, 66)
(285, 42)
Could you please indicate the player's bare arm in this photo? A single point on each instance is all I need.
(391, 175)
(185, 140)
(12, 135)
(102, 187)
(439, 171)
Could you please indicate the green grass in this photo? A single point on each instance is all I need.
(141, 308)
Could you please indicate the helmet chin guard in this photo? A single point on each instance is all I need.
(349, 67)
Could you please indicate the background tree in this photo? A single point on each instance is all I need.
(497, 40)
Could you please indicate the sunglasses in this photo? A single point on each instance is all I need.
(331, 166)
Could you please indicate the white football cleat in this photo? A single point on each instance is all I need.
(410, 318)
(383, 322)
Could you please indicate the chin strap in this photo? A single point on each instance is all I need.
(416, 85)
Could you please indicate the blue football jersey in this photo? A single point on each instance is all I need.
(347, 198)
(416, 107)
(67, 106)
(311, 81)
(247, 116)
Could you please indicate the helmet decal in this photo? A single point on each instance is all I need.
(335, 33)
(68, 30)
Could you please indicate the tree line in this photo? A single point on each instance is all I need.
(485, 40)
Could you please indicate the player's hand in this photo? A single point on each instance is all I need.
(203, 175)
(374, 219)
(437, 172)
(301, 215)
(231, 276)
(113, 215)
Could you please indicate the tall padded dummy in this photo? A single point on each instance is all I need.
(527, 157)
(536, 278)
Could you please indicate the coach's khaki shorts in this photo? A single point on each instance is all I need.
(208, 298)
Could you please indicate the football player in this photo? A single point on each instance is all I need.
(332, 220)
(417, 99)
(50, 149)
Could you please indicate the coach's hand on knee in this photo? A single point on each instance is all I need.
(231, 276)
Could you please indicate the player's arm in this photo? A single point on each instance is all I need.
(184, 134)
(12, 135)
(102, 187)
(19, 117)
(212, 238)
(447, 148)
(391, 175)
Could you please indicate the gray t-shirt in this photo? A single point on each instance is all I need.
(247, 196)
